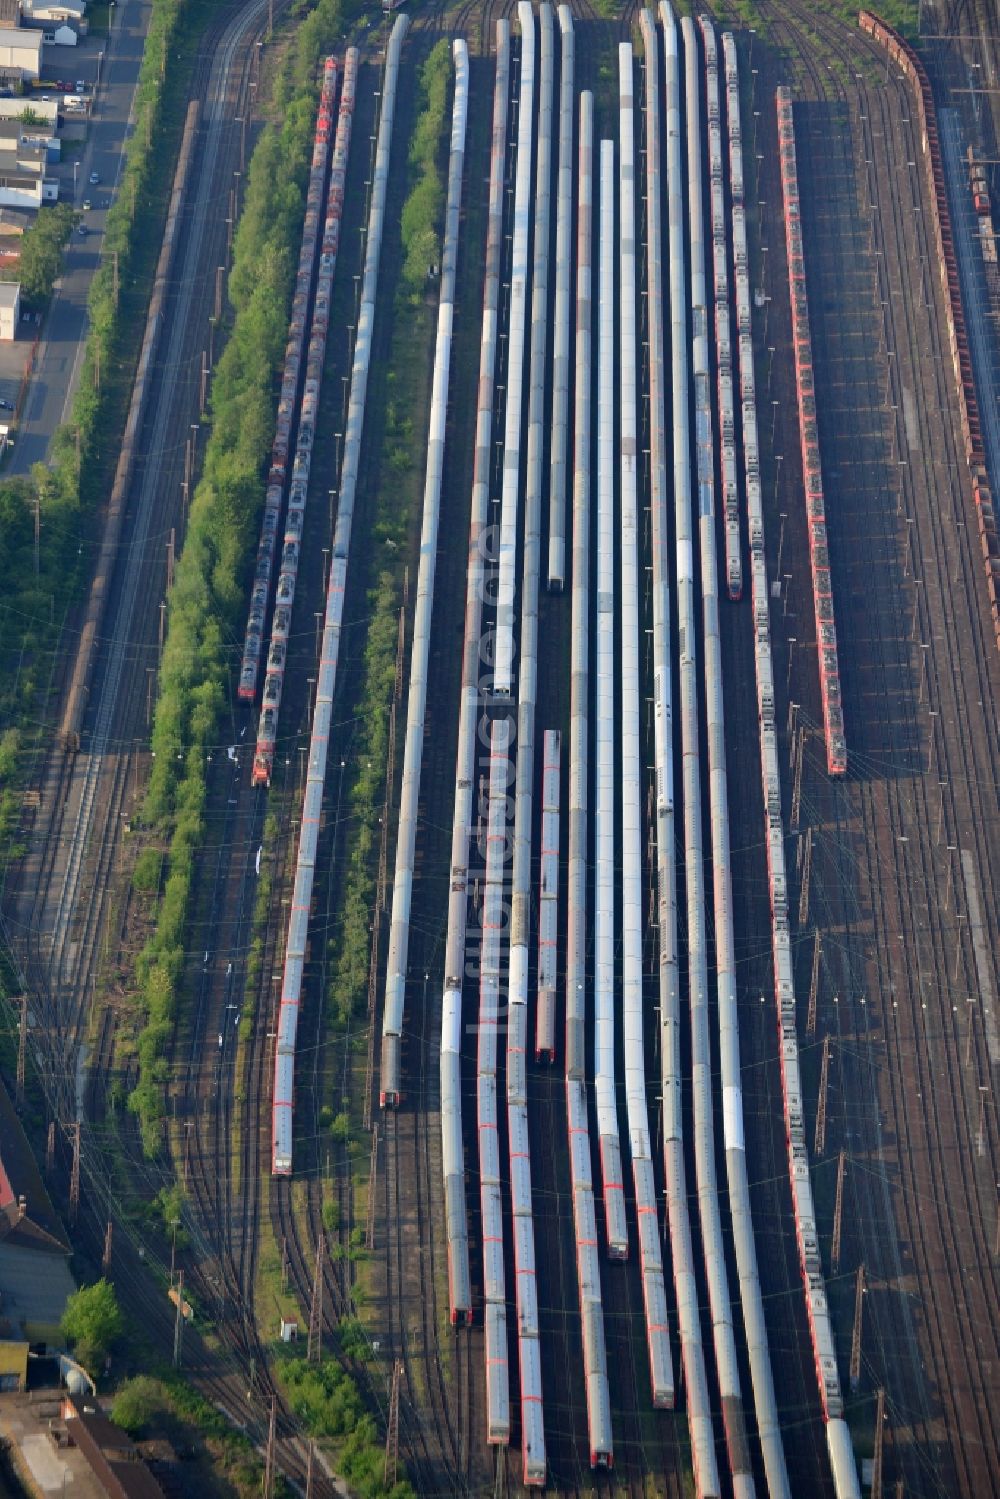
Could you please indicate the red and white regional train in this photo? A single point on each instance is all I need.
(274, 681)
(902, 53)
(826, 629)
(290, 387)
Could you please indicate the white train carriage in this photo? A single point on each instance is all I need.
(548, 904)
(497, 1376)
(598, 1393)
(581, 1171)
(493, 1266)
(520, 1159)
(533, 1455)
(525, 1277)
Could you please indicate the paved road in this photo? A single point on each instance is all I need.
(60, 351)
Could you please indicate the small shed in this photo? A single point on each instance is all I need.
(10, 310)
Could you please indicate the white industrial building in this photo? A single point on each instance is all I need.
(21, 52)
(10, 307)
(61, 21)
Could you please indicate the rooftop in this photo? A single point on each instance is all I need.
(115, 1459)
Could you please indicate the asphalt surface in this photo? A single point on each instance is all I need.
(60, 350)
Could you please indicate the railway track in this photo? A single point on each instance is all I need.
(903, 1030)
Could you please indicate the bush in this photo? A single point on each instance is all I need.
(326, 1401)
(146, 875)
(92, 1321)
(422, 211)
(136, 1402)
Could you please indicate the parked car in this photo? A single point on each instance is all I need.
(6, 405)
(81, 229)
(95, 178)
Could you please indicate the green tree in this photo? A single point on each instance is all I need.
(92, 1321)
(136, 1402)
(42, 253)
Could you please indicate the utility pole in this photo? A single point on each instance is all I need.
(309, 1470)
(220, 272)
(798, 754)
(37, 505)
(392, 1429)
(859, 1301)
(50, 1149)
(106, 1256)
(269, 1462)
(813, 987)
(284, 1263)
(204, 379)
(372, 1179)
(806, 872)
(179, 1319)
(313, 1347)
(171, 548)
(74, 1178)
(876, 1488)
(114, 274)
(819, 1144)
(22, 1049)
(838, 1214)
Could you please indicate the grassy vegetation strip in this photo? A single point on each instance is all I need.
(44, 553)
(396, 505)
(208, 596)
(326, 1400)
(165, 1405)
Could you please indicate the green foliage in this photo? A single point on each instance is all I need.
(92, 1321)
(902, 14)
(148, 867)
(208, 596)
(350, 946)
(41, 254)
(331, 1215)
(136, 1402)
(326, 1401)
(423, 209)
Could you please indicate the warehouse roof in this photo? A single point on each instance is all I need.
(114, 1458)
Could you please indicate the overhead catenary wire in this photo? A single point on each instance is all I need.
(577, 986)
(563, 322)
(630, 778)
(520, 292)
(762, 1379)
(416, 705)
(699, 1411)
(605, 728)
(471, 700)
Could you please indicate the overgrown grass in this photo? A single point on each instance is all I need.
(207, 599)
(327, 1402)
(904, 15)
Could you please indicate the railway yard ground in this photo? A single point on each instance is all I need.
(895, 868)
